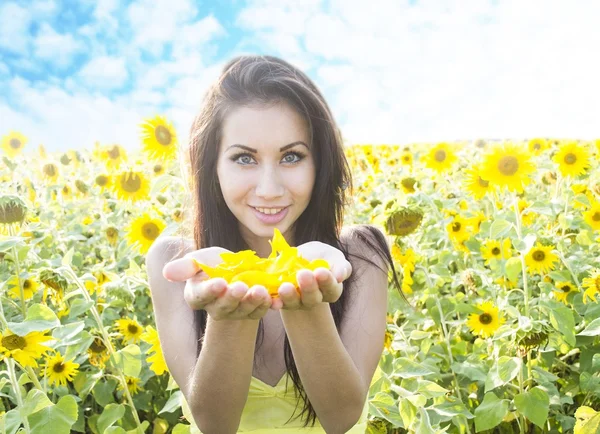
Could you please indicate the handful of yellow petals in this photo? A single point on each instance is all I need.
(281, 266)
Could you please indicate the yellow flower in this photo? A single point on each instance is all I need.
(144, 230)
(98, 353)
(493, 249)
(475, 185)
(281, 266)
(563, 290)
(24, 349)
(537, 146)
(13, 143)
(30, 287)
(113, 156)
(592, 216)
(50, 172)
(506, 282)
(440, 158)
(591, 285)
(389, 337)
(408, 184)
(572, 159)
(528, 217)
(58, 371)
(540, 259)
(130, 329)
(133, 384)
(406, 158)
(507, 165)
(459, 229)
(157, 360)
(487, 322)
(159, 140)
(130, 185)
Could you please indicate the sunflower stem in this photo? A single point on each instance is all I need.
(15, 384)
(12, 233)
(106, 338)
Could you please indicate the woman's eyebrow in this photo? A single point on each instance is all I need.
(283, 148)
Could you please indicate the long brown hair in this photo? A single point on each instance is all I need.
(262, 80)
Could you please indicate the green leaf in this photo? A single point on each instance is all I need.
(140, 429)
(111, 414)
(406, 368)
(451, 409)
(59, 417)
(504, 370)
(39, 318)
(490, 412)
(68, 334)
(408, 412)
(7, 243)
(35, 401)
(561, 318)
(115, 430)
(67, 260)
(588, 421)
(183, 429)
(103, 392)
(128, 360)
(534, 405)
(513, 268)
(79, 306)
(592, 329)
(429, 389)
(499, 228)
(11, 420)
(85, 381)
(173, 403)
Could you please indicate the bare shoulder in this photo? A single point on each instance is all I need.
(173, 317)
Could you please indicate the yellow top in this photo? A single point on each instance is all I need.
(268, 409)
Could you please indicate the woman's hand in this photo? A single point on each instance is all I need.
(220, 300)
(315, 287)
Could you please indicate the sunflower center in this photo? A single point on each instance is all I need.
(114, 152)
(508, 165)
(456, 227)
(58, 367)
(570, 158)
(132, 328)
(101, 180)
(14, 342)
(65, 189)
(485, 318)
(97, 346)
(596, 216)
(111, 232)
(566, 288)
(158, 168)
(538, 255)
(483, 182)
(50, 170)
(131, 182)
(15, 143)
(495, 251)
(406, 158)
(26, 284)
(150, 231)
(597, 283)
(163, 135)
(537, 146)
(440, 155)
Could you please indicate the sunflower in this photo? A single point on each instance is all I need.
(130, 185)
(157, 360)
(130, 329)
(592, 216)
(408, 185)
(493, 249)
(50, 172)
(406, 158)
(113, 156)
(404, 221)
(506, 283)
(133, 384)
(24, 349)
(572, 159)
(13, 143)
(144, 230)
(66, 192)
(158, 169)
(537, 146)
(102, 181)
(387, 344)
(59, 371)
(459, 229)
(540, 259)
(159, 140)
(507, 165)
(475, 185)
(30, 287)
(487, 322)
(563, 290)
(529, 217)
(440, 158)
(112, 235)
(591, 285)
(98, 353)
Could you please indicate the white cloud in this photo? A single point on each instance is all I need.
(54, 47)
(14, 27)
(104, 72)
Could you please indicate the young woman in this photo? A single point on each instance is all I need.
(265, 153)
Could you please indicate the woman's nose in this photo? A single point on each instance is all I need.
(269, 184)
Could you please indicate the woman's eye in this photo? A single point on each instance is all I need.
(245, 159)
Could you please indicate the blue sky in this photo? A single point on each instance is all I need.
(74, 72)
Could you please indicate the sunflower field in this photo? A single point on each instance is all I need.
(496, 245)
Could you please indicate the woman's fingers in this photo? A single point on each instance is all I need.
(200, 294)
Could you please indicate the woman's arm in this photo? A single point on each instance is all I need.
(220, 381)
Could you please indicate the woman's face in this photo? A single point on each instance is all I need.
(265, 161)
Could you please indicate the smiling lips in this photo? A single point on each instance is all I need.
(269, 211)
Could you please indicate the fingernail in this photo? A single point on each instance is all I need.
(239, 290)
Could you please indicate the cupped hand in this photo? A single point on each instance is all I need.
(318, 286)
(220, 300)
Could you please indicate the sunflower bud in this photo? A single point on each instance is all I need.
(53, 280)
(549, 178)
(404, 221)
(81, 186)
(533, 340)
(375, 202)
(65, 159)
(12, 209)
(409, 184)
(161, 199)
